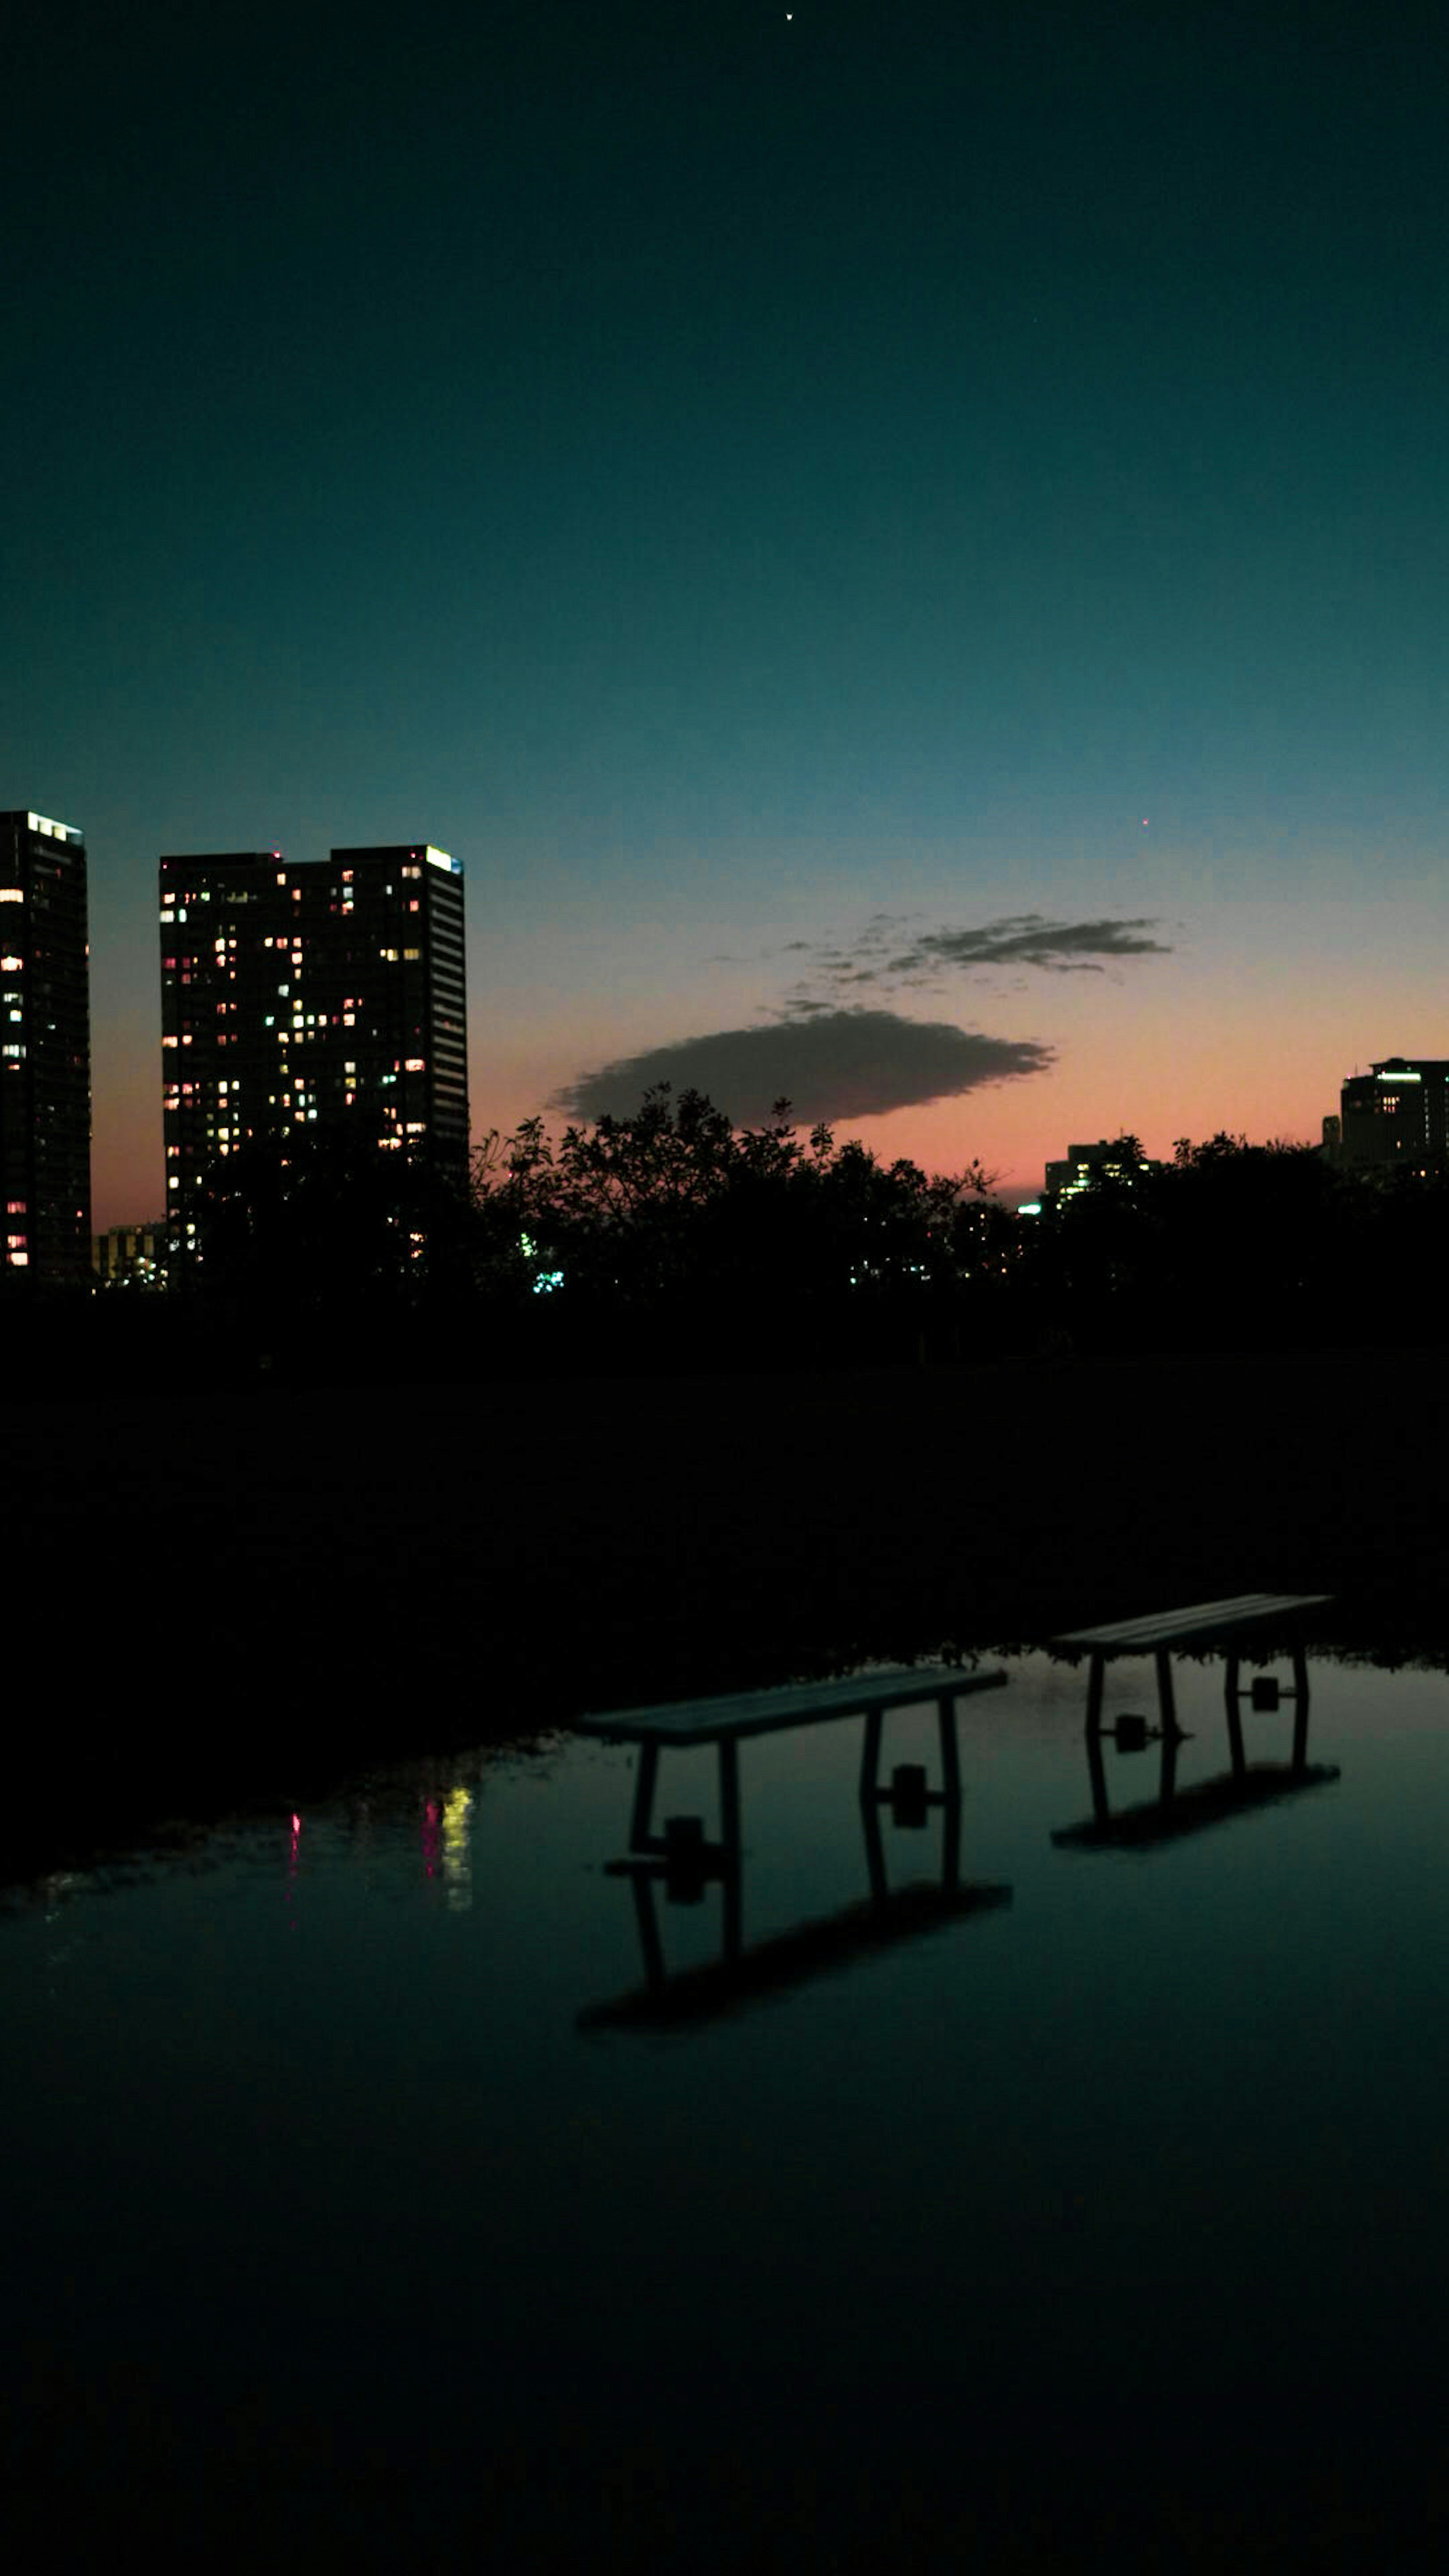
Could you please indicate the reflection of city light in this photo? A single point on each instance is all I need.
(431, 1818)
(457, 1852)
(293, 1845)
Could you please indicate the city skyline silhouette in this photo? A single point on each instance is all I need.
(780, 495)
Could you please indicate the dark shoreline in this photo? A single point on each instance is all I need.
(258, 1590)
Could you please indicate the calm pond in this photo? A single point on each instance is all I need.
(1093, 2210)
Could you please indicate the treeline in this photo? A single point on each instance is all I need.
(670, 1225)
(670, 1239)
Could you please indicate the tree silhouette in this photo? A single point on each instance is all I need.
(671, 1213)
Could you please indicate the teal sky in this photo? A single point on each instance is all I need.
(731, 476)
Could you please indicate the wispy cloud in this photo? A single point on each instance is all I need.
(829, 1064)
(894, 959)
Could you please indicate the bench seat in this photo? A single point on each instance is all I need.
(1202, 1623)
(762, 1712)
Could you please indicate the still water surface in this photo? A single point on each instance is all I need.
(1108, 2223)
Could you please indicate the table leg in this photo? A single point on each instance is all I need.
(644, 1779)
(1097, 1770)
(733, 1886)
(648, 1922)
(874, 1848)
(1235, 1738)
(870, 1754)
(1167, 1776)
(1165, 1701)
(950, 1749)
(951, 1843)
(729, 1797)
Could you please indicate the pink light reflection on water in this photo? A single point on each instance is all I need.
(294, 1845)
(432, 1836)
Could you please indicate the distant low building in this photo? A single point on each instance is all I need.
(1085, 1164)
(131, 1252)
(1396, 1116)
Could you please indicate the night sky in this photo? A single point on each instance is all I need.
(904, 547)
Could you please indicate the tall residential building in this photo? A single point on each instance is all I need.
(45, 1048)
(1397, 1114)
(331, 993)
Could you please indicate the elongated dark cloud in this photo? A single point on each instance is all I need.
(896, 959)
(1067, 947)
(829, 1065)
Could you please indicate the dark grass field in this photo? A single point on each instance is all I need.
(229, 1596)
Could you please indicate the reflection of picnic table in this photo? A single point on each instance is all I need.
(686, 1861)
(1226, 1627)
(1174, 1812)
(741, 1976)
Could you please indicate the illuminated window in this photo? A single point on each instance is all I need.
(412, 955)
(416, 1064)
(15, 965)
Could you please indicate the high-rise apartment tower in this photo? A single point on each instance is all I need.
(45, 1048)
(1397, 1114)
(327, 994)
